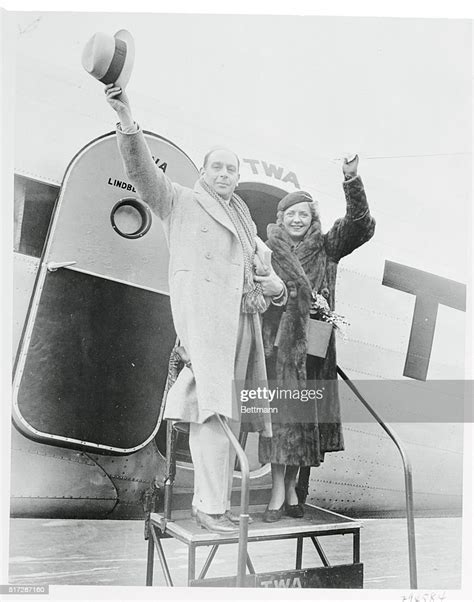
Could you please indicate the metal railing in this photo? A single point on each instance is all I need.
(244, 502)
(408, 478)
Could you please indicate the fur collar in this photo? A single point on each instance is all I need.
(279, 240)
(301, 266)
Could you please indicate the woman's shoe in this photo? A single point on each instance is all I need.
(294, 510)
(272, 516)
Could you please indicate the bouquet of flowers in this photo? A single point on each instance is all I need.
(320, 310)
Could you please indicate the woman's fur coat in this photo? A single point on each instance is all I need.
(304, 267)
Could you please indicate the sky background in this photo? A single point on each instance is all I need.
(295, 91)
(324, 84)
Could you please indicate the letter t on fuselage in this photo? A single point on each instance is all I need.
(430, 290)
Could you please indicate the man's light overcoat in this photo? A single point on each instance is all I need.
(206, 274)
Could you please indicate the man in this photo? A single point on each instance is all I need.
(216, 299)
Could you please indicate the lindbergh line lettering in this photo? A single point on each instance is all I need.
(120, 184)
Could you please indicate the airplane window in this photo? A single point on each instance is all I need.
(33, 209)
(127, 219)
(131, 218)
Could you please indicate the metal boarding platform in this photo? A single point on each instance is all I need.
(317, 523)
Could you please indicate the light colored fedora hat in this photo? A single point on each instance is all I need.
(110, 58)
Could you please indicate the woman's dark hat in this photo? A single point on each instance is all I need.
(300, 196)
(110, 58)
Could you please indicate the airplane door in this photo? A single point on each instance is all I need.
(93, 360)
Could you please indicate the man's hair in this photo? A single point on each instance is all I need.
(218, 148)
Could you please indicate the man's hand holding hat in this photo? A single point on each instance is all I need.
(118, 100)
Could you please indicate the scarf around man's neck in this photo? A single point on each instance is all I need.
(253, 300)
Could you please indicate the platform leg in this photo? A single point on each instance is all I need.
(161, 556)
(191, 563)
(171, 437)
(320, 551)
(150, 560)
(299, 552)
(209, 559)
(250, 565)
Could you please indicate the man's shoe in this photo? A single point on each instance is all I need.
(294, 510)
(272, 516)
(235, 518)
(216, 523)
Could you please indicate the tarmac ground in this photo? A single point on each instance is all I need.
(114, 553)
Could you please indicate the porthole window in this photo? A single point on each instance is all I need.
(131, 218)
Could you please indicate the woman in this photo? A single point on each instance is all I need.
(306, 260)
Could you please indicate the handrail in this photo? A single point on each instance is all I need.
(408, 478)
(244, 502)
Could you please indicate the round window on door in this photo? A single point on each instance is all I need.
(131, 218)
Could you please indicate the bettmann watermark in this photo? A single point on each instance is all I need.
(408, 400)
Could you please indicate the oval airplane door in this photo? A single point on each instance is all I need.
(93, 360)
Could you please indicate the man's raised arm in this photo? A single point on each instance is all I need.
(153, 186)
